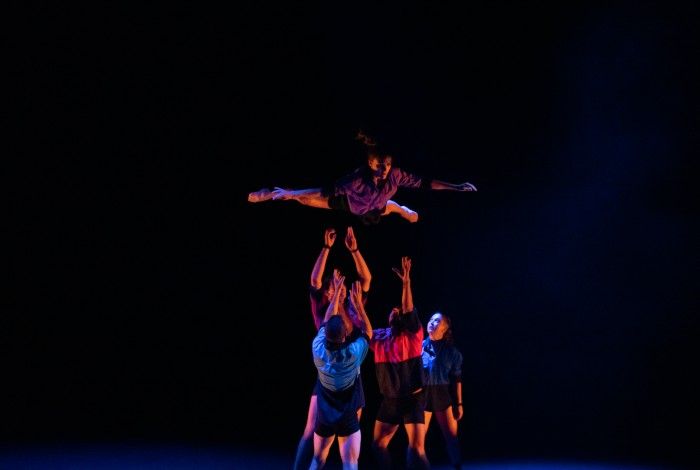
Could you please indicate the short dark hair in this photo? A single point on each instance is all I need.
(335, 329)
(396, 323)
(326, 282)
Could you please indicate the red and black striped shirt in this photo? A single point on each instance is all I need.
(397, 356)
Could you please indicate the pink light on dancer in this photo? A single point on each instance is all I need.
(366, 192)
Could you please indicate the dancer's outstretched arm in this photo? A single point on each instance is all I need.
(440, 185)
(362, 269)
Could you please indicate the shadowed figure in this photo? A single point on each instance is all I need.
(442, 364)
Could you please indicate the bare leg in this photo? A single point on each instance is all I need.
(308, 197)
(259, 196)
(350, 450)
(428, 415)
(403, 211)
(448, 426)
(416, 457)
(319, 201)
(305, 449)
(383, 432)
(321, 447)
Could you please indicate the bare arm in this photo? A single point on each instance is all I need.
(333, 305)
(440, 185)
(457, 408)
(320, 265)
(406, 293)
(356, 300)
(362, 270)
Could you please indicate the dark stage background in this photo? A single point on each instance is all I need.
(150, 302)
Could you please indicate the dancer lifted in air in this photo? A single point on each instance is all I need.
(366, 192)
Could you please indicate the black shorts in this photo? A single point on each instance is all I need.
(437, 398)
(343, 428)
(340, 203)
(403, 410)
(360, 391)
(337, 411)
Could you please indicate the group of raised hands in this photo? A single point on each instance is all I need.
(329, 237)
(330, 234)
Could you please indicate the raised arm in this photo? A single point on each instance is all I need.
(356, 301)
(405, 276)
(333, 305)
(320, 265)
(440, 185)
(362, 270)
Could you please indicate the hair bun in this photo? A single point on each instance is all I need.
(365, 139)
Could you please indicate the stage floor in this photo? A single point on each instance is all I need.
(190, 458)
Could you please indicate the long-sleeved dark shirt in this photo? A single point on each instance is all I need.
(442, 362)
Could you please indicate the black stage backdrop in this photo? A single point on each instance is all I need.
(149, 301)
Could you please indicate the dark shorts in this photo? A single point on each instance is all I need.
(337, 411)
(403, 410)
(437, 398)
(360, 391)
(340, 203)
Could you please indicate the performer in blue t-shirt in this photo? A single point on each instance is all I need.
(338, 361)
(320, 293)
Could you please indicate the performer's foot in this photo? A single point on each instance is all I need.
(408, 214)
(260, 196)
(281, 194)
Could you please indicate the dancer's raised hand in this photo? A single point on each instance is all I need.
(350, 240)
(405, 272)
(329, 237)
